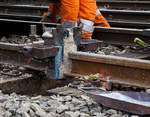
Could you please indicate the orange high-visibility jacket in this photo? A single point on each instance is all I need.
(84, 12)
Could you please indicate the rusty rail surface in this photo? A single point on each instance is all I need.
(120, 70)
(13, 54)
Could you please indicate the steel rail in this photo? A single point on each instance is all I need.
(33, 2)
(129, 24)
(13, 54)
(120, 36)
(140, 18)
(122, 4)
(21, 17)
(116, 36)
(113, 23)
(16, 47)
(23, 7)
(29, 22)
(116, 4)
(20, 27)
(119, 70)
(126, 14)
(101, 3)
(45, 8)
(117, 18)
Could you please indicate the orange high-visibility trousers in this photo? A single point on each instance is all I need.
(100, 20)
(83, 11)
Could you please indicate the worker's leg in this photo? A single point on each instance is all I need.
(100, 20)
(53, 14)
(87, 13)
(69, 10)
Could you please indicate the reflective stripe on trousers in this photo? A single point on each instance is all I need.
(87, 25)
(98, 12)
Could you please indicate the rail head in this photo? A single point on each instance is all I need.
(123, 1)
(119, 30)
(113, 60)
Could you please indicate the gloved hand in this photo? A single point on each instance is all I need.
(45, 17)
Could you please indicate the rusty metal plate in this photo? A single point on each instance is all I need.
(134, 102)
(36, 50)
(89, 45)
(39, 51)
